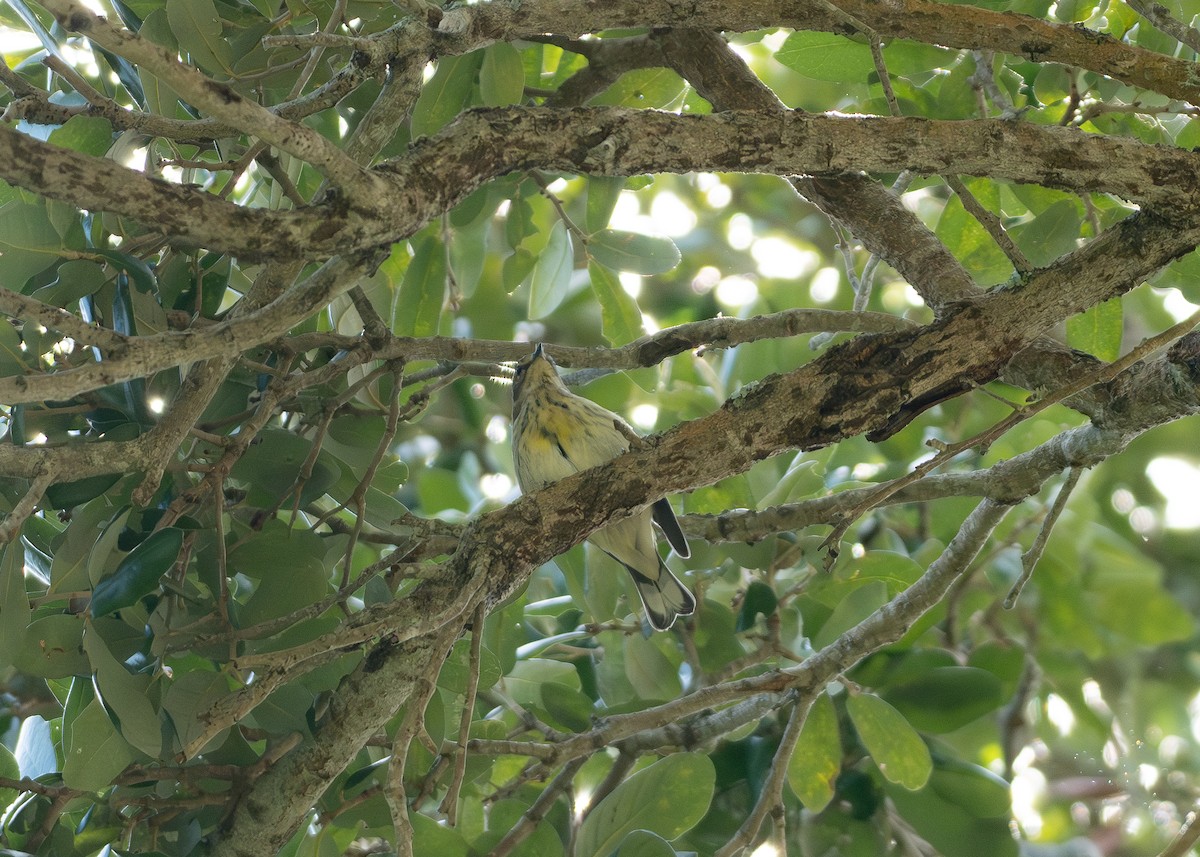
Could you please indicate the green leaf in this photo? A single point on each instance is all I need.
(418, 307)
(10, 770)
(272, 465)
(1051, 233)
(650, 673)
(160, 98)
(68, 569)
(1143, 613)
(824, 56)
(653, 88)
(951, 829)
(97, 752)
(668, 798)
(552, 273)
(429, 837)
(139, 573)
(502, 75)
(198, 28)
(632, 251)
(289, 565)
(602, 195)
(974, 788)
(516, 267)
(943, 699)
(187, 697)
(759, 599)
(813, 769)
(970, 242)
(643, 843)
(1097, 330)
(619, 314)
(897, 749)
(446, 93)
(52, 647)
(29, 243)
(91, 135)
(125, 695)
(67, 495)
(14, 601)
(851, 609)
(106, 543)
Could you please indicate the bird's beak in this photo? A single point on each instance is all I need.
(537, 352)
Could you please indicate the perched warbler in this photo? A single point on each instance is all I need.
(556, 433)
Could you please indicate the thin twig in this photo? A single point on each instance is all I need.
(529, 821)
(884, 78)
(991, 223)
(449, 805)
(410, 726)
(771, 795)
(1188, 835)
(1029, 559)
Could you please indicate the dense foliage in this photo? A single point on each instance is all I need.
(902, 290)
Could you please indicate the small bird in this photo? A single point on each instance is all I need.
(556, 433)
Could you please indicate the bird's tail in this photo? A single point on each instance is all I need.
(665, 599)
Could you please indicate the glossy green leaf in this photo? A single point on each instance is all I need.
(198, 28)
(501, 75)
(67, 495)
(446, 93)
(814, 766)
(668, 798)
(422, 293)
(551, 273)
(943, 699)
(759, 600)
(631, 251)
(972, 787)
(139, 573)
(897, 749)
(1098, 330)
(97, 752)
(619, 314)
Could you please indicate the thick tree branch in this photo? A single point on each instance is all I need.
(920, 20)
(483, 144)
